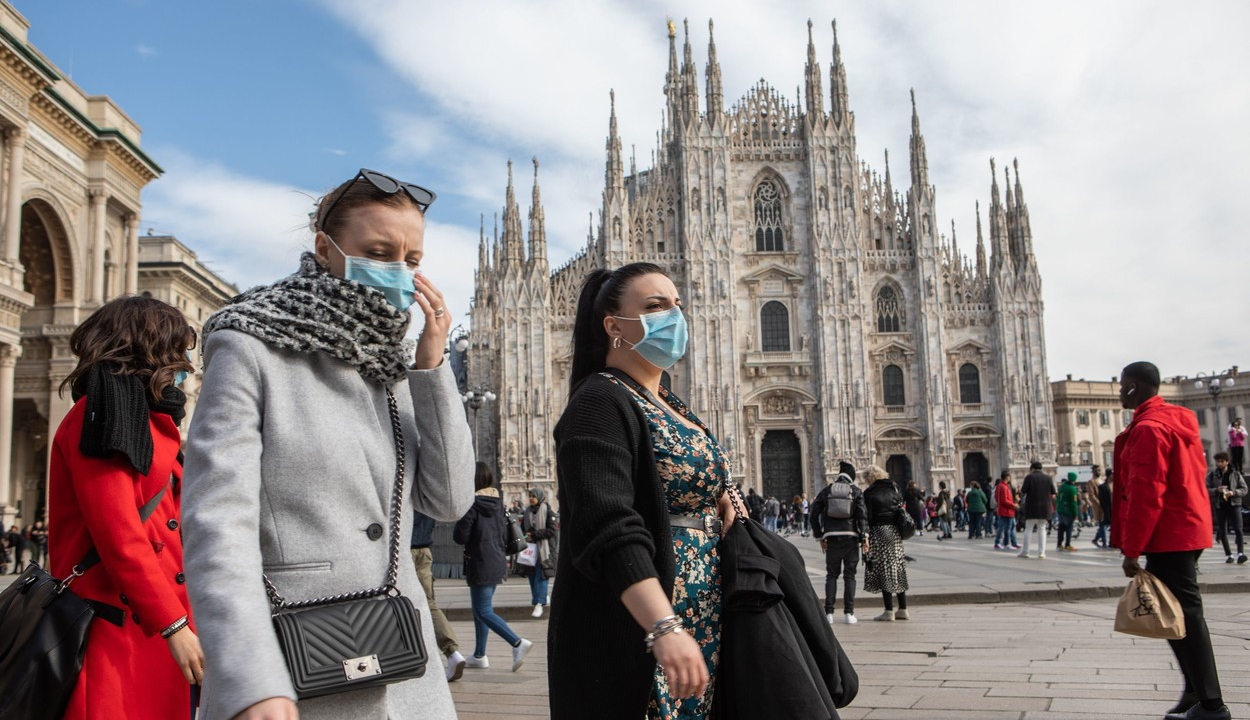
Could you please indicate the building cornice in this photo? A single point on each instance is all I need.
(18, 56)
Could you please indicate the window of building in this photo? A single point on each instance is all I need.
(969, 384)
(1087, 453)
(1082, 418)
(1202, 417)
(775, 327)
(1108, 456)
(892, 386)
(769, 235)
(1104, 418)
(889, 313)
(1127, 416)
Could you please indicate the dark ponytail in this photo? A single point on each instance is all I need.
(600, 296)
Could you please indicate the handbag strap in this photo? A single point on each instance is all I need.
(397, 502)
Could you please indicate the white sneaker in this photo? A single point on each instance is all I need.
(829, 617)
(850, 619)
(455, 666)
(1042, 556)
(519, 652)
(474, 661)
(538, 611)
(901, 614)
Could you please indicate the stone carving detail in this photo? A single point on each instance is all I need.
(780, 405)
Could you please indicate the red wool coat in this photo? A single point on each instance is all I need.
(1161, 502)
(128, 671)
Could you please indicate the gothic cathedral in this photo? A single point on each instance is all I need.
(829, 318)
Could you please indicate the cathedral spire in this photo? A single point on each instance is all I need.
(689, 79)
(1022, 215)
(837, 82)
(614, 175)
(715, 96)
(483, 256)
(672, 79)
(998, 224)
(811, 75)
(919, 159)
(538, 224)
(980, 244)
(512, 240)
(889, 186)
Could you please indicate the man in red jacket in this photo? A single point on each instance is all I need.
(1162, 510)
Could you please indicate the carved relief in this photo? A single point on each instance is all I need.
(780, 405)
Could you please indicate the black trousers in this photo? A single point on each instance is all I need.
(1226, 515)
(841, 558)
(1239, 456)
(1179, 571)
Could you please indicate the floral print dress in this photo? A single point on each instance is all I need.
(695, 471)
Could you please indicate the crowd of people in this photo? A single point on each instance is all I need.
(323, 436)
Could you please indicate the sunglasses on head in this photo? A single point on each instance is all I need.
(385, 183)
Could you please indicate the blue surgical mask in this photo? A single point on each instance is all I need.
(392, 279)
(663, 341)
(181, 376)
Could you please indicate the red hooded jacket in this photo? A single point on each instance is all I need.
(1161, 502)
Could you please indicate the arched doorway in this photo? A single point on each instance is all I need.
(899, 468)
(781, 464)
(976, 468)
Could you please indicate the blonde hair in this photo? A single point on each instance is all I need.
(875, 472)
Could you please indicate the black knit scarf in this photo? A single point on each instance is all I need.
(313, 311)
(116, 419)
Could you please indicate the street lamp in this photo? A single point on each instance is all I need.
(1215, 386)
(474, 400)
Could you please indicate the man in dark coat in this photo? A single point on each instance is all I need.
(840, 522)
(1037, 493)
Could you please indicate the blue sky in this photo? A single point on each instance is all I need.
(1128, 119)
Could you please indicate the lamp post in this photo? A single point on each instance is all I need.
(474, 400)
(1215, 385)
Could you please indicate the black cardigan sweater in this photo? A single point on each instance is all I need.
(614, 532)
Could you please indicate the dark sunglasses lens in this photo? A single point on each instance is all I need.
(380, 181)
(420, 195)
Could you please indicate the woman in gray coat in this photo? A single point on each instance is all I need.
(291, 458)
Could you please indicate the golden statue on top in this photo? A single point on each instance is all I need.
(672, 28)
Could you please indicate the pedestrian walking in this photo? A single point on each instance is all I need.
(913, 498)
(772, 512)
(887, 572)
(1067, 505)
(1037, 494)
(1227, 488)
(481, 532)
(539, 524)
(39, 543)
(423, 563)
(115, 492)
(943, 511)
(976, 502)
(312, 403)
(1159, 461)
(755, 505)
(644, 493)
(1106, 497)
(840, 521)
(1005, 501)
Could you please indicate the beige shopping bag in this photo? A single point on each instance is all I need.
(1148, 609)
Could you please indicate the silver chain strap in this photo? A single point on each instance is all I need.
(397, 502)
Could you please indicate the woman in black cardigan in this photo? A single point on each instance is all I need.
(617, 564)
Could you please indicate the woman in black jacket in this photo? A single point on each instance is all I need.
(481, 532)
(644, 491)
(887, 573)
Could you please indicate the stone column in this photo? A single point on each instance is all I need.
(99, 207)
(8, 363)
(132, 254)
(13, 215)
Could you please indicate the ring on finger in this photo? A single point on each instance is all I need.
(439, 311)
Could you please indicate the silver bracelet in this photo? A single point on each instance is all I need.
(174, 627)
(662, 627)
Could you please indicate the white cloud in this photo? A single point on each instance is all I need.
(146, 51)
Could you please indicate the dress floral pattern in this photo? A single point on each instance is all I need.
(695, 471)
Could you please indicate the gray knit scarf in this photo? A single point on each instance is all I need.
(313, 311)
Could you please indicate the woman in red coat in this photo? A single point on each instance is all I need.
(116, 474)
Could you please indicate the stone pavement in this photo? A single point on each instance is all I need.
(1010, 661)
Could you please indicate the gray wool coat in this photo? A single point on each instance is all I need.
(290, 459)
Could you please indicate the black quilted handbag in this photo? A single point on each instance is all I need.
(358, 640)
(514, 538)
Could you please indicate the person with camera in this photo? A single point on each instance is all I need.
(1227, 488)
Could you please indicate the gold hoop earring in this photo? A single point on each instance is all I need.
(616, 342)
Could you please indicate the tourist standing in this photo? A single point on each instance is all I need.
(310, 392)
(539, 524)
(1163, 511)
(1067, 505)
(1037, 494)
(1005, 501)
(943, 503)
(975, 501)
(1227, 488)
(840, 521)
(913, 499)
(1237, 444)
(772, 511)
(887, 571)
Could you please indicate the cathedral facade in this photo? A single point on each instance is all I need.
(829, 317)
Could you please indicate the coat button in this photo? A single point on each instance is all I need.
(172, 524)
(180, 578)
(125, 600)
(136, 617)
(374, 531)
